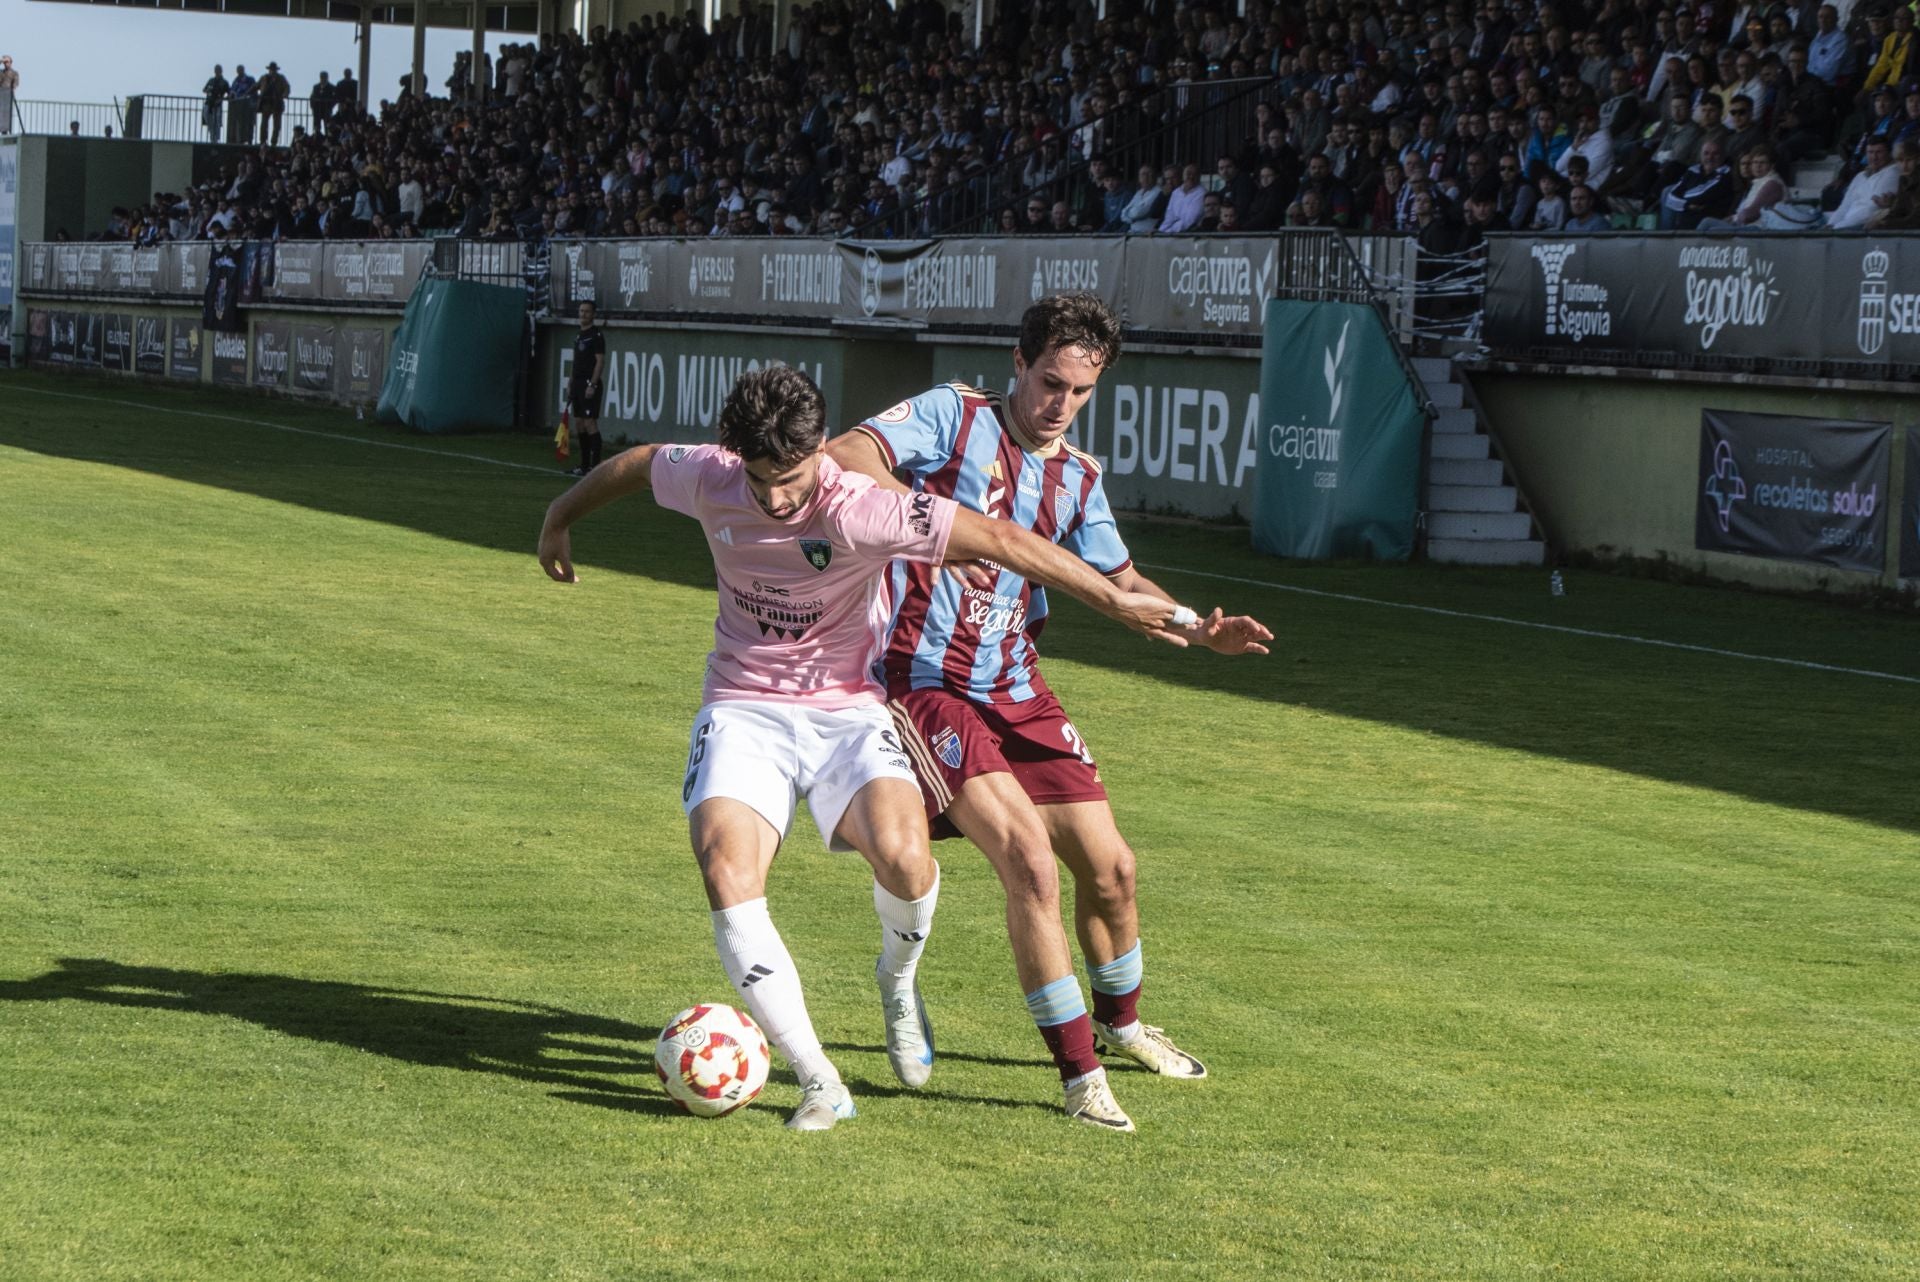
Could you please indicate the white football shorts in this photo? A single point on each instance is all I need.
(768, 755)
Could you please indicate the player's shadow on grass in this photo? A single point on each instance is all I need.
(547, 1045)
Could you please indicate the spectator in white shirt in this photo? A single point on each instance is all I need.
(1871, 189)
(413, 199)
(1592, 142)
(1139, 213)
(1184, 205)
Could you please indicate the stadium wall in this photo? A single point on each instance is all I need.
(1611, 461)
(1174, 430)
(73, 184)
(333, 356)
(1175, 433)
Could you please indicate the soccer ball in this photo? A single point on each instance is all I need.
(712, 1060)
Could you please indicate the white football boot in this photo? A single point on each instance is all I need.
(823, 1101)
(1152, 1049)
(909, 1032)
(1092, 1102)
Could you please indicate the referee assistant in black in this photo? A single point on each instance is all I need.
(585, 388)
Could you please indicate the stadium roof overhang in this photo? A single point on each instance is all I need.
(497, 15)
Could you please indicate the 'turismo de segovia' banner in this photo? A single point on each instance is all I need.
(1794, 489)
(1910, 515)
(1340, 433)
(1847, 300)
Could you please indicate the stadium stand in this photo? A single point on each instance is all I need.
(883, 122)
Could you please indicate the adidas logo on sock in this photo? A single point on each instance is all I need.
(911, 936)
(755, 975)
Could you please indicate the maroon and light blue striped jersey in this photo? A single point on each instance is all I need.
(953, 442)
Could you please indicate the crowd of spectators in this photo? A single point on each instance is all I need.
(1435, 118)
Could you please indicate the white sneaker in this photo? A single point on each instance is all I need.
(1092, 1102)
(909, 1033)
(1152, 1049)
(823, 1101)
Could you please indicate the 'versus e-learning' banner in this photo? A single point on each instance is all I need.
(1795, 489)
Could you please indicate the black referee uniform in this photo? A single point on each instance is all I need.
(585, 392)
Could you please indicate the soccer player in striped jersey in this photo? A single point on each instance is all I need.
(791, 707)
(997, 757)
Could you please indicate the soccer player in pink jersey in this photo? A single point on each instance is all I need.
(999, 761)
(791, 707)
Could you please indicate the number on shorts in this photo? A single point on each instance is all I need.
(694, 758)
(1075, 742)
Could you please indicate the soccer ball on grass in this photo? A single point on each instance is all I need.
(712, 1059)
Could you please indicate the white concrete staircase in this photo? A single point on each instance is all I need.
(1474, 516)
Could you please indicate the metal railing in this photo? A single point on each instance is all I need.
(81, 119)
(1174, 124)
(157, 118)
(183, 118)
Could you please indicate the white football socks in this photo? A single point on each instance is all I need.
(904, 927)
(762, 972)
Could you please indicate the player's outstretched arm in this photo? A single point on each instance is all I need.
(977, 537)
(627, 472)
(1239, 634)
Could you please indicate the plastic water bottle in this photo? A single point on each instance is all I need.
(360, 412)
(1559, 584)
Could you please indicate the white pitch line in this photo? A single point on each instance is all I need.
(283, 427)
(1544, 627)
(1173, 569)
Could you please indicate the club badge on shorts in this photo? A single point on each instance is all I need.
(818, 552)
(946, 746)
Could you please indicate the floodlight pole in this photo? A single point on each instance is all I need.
(419, 49)
(366, 56)
(478, 77)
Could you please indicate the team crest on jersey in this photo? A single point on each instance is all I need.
(818, 552)
(678, 452)
(1062, 506)
(946, 746)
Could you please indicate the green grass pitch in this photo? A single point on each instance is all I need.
(343, 885)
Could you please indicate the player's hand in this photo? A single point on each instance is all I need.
(972, 574)
(1238, 635)
(556, 554)
(1150, 616)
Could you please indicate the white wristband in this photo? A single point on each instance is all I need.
(1184, 617)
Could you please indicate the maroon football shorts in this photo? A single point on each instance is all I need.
(950, 739)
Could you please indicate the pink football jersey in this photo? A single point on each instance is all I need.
(804, 605)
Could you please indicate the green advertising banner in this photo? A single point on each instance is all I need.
(1339, 451)
(454, 358)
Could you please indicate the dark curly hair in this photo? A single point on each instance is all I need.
(1071, 320)
(775, 413)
